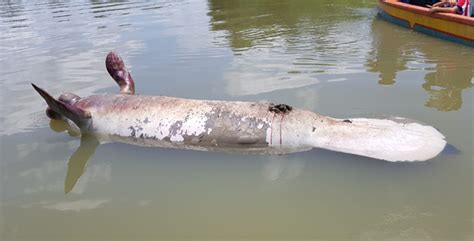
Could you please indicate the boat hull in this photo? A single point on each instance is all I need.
(452, 27)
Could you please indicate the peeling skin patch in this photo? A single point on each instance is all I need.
(175, 131)
(184, 123)
(228, 125)
(133, 132)
(179, 120)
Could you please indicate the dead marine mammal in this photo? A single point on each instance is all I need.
(233, 126)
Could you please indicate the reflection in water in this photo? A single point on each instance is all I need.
(257, 23)
(76, 206)
(282, 45)
(282, 168)
(453, 74)
(79, 158)
(275, 168)
(446, 91)
(78, 161)
(285, 44)
(448, 70)
(388, 56)
(62, 126)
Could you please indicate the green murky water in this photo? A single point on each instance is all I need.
(333, 57)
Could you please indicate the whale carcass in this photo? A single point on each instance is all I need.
(233, 126)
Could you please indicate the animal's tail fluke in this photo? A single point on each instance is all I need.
(78, 116)
(387, 139)
(116, 68)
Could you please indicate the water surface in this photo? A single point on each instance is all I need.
(333, 57)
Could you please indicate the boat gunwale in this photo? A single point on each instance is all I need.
(426, 12)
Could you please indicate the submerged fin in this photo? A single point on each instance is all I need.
(79, 116)
(78, 160)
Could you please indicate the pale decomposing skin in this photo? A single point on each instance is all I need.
(244, 127)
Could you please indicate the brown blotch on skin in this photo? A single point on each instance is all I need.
(175, 127)
(283, 108)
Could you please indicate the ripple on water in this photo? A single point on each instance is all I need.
(330, 56)
(59, 46)
(278, 59)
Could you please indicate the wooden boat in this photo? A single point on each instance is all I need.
(447, 26)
